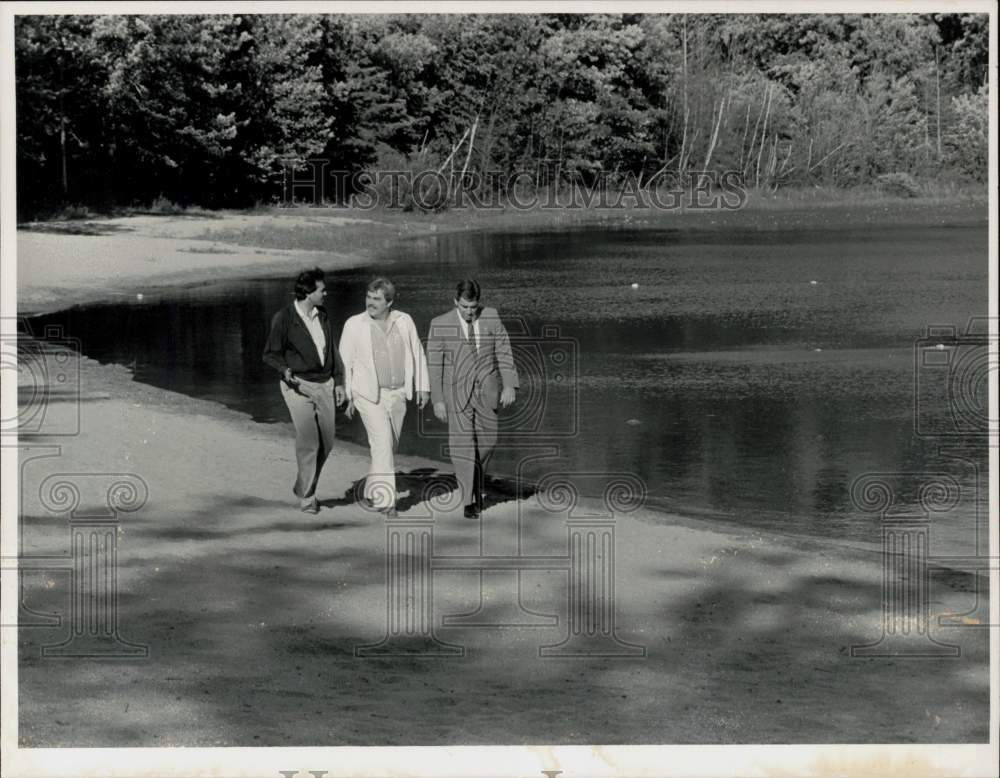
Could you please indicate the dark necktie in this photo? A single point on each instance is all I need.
(471, 338)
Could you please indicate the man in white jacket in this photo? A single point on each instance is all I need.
(384, 366)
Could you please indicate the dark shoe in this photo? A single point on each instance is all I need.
(472, 512)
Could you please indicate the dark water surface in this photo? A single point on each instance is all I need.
(750, 378)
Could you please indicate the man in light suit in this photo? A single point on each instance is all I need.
(472, 372)
(384, 366)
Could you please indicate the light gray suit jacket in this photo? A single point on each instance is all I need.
(458, 372)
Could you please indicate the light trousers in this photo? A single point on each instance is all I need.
(383, 422)
(314, 411)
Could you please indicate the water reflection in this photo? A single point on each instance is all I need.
(749, 377)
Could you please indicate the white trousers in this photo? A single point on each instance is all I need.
(383, 422)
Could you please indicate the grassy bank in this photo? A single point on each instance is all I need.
(376, 228)
(816, 196)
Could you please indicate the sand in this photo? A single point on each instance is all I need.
(71, 263)
(254, 614)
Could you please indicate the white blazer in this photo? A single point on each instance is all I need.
(359, 361)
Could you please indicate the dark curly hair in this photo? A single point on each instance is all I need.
(305, 284)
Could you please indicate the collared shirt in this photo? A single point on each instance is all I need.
(389, 352)
(465, 328)
(315, 327)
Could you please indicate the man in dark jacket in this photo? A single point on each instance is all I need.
(301, 347)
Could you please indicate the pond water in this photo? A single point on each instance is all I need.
(742, 376)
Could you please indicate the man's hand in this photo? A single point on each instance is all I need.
(349, 410)
(440, 412)
(507, 396)
(422, 399)
(289, 378)
(338, 394)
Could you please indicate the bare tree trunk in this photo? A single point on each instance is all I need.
(772, 165)
(684, 71)
(468, 154)
(62, 122)
(743, 143)
(753, 138)
(937, 80)
(487, 145)
(927, 124)
(686, 159)
(763, 133)
(62, 149)
(715, 132)
(829, 154)
(663, 168)
(455, 148)
(788, 156)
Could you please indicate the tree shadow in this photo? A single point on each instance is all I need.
(776, 665)
(423, 484)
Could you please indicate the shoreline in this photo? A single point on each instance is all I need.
(198, 236)
(253, 613)
(123, 256)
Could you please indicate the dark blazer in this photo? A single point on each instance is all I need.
(457, 370)
(289, 345)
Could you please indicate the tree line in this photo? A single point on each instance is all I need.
(215, 109)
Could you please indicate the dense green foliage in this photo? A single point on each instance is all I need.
(212, 109)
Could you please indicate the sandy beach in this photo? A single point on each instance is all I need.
(253, 613)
